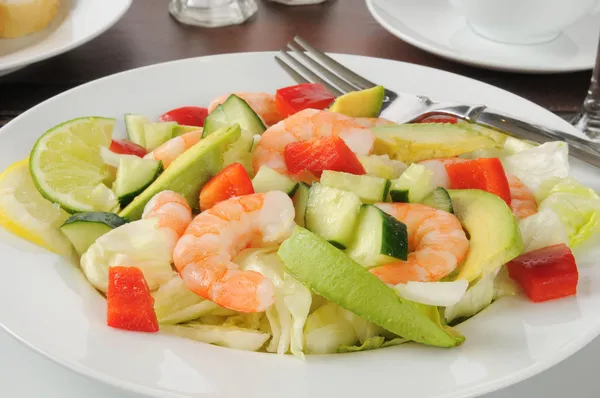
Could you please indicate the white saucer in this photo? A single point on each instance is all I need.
(436, 27)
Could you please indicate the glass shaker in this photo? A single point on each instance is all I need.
(212, 13)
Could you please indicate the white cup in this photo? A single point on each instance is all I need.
(522, 21)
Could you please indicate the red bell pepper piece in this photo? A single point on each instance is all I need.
(232, 181)
(290, 100)
(319, 154)
(440, 119)
(187, 115)
(486, 174)
(126, 147)
(546, 274)
(130, 304)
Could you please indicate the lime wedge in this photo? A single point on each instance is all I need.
(25, 213)
(67, 168)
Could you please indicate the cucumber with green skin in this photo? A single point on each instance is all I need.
(83, 229)
(413, 185)
(439, 199)
(332, 213)
(134, 124)
(134, 175)
(233, 110)
(267, 179)
(369, 189)
(379, 238)
(156, 134)
(300, 200)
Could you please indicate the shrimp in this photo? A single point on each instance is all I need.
(304, 125)
(204, 254)
(173, 213)
(171, 149)
(261, 103)
(522, 200)
(436, 241)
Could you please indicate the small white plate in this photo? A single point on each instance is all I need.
(48, 304)
(77, 22)
(435, 26)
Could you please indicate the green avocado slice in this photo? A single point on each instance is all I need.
(364, 103)
(188, 173)
(330, 273)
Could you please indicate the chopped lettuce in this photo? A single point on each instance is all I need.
(327, 329)
(477, 297)
(298, 300)
(504, 285)
(369, 344)
(225, 336)
(175, 303)
(364, 329)
(442, 294)
(577, 206)
(245, 321)
(535, 165)
(542, 229)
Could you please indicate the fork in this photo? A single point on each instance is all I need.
(305, 64)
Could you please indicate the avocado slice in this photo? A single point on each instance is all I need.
(364, 103)
(415, 142)
(494, 233)
(330, 273)
(189, 172)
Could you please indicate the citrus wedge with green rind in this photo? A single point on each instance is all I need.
(25, 213)
(67, 168)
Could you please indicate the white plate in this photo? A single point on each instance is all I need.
(435, 26)
(47, 303)
(77, 22)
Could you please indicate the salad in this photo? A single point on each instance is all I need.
(299, 223)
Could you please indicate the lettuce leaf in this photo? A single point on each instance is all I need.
(542, 229)
(532, 166)
(225, 336)
(369, 344)
(433, 293)
(477, 297)
(298, 299)
(327, 329)
(577, 206)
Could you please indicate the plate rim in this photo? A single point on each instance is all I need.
(468, 60)
(486, 387)
(21, 63)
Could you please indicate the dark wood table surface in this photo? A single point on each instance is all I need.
(147, 35)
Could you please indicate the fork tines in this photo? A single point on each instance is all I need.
(306, 64)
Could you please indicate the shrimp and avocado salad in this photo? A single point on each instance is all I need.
(299, 223)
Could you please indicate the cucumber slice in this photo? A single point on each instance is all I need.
(331, 213)
(300, 200)
(82, 229)
(413, 185)
(268, 179)
(233, 110)
(368, 188)
(239, 152)
(135, 127)
(440, 199)
(182, 129)
(156, 134)
(133, 176)
(379, 239)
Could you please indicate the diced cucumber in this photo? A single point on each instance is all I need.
(368, 188)
(331, 213)
(233, 110)
(268, 179)
(156, 134)
(382, 166)
(133, 176)
(82, 229)
(135, 128)
(182, 129)
(440, 199)
(379, 238)
(239, 152)
(300, 200)
(413, 185)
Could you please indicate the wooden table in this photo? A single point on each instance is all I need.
(147, 35)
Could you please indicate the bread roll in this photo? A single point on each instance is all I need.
(22, 17)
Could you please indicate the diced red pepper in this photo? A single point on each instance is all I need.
(486, 174)
(186, 115)
(232, 181)
(290, 100)
(130, 304)
(546, 274)
(320, 154)
(126, 147)
(440, 119)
